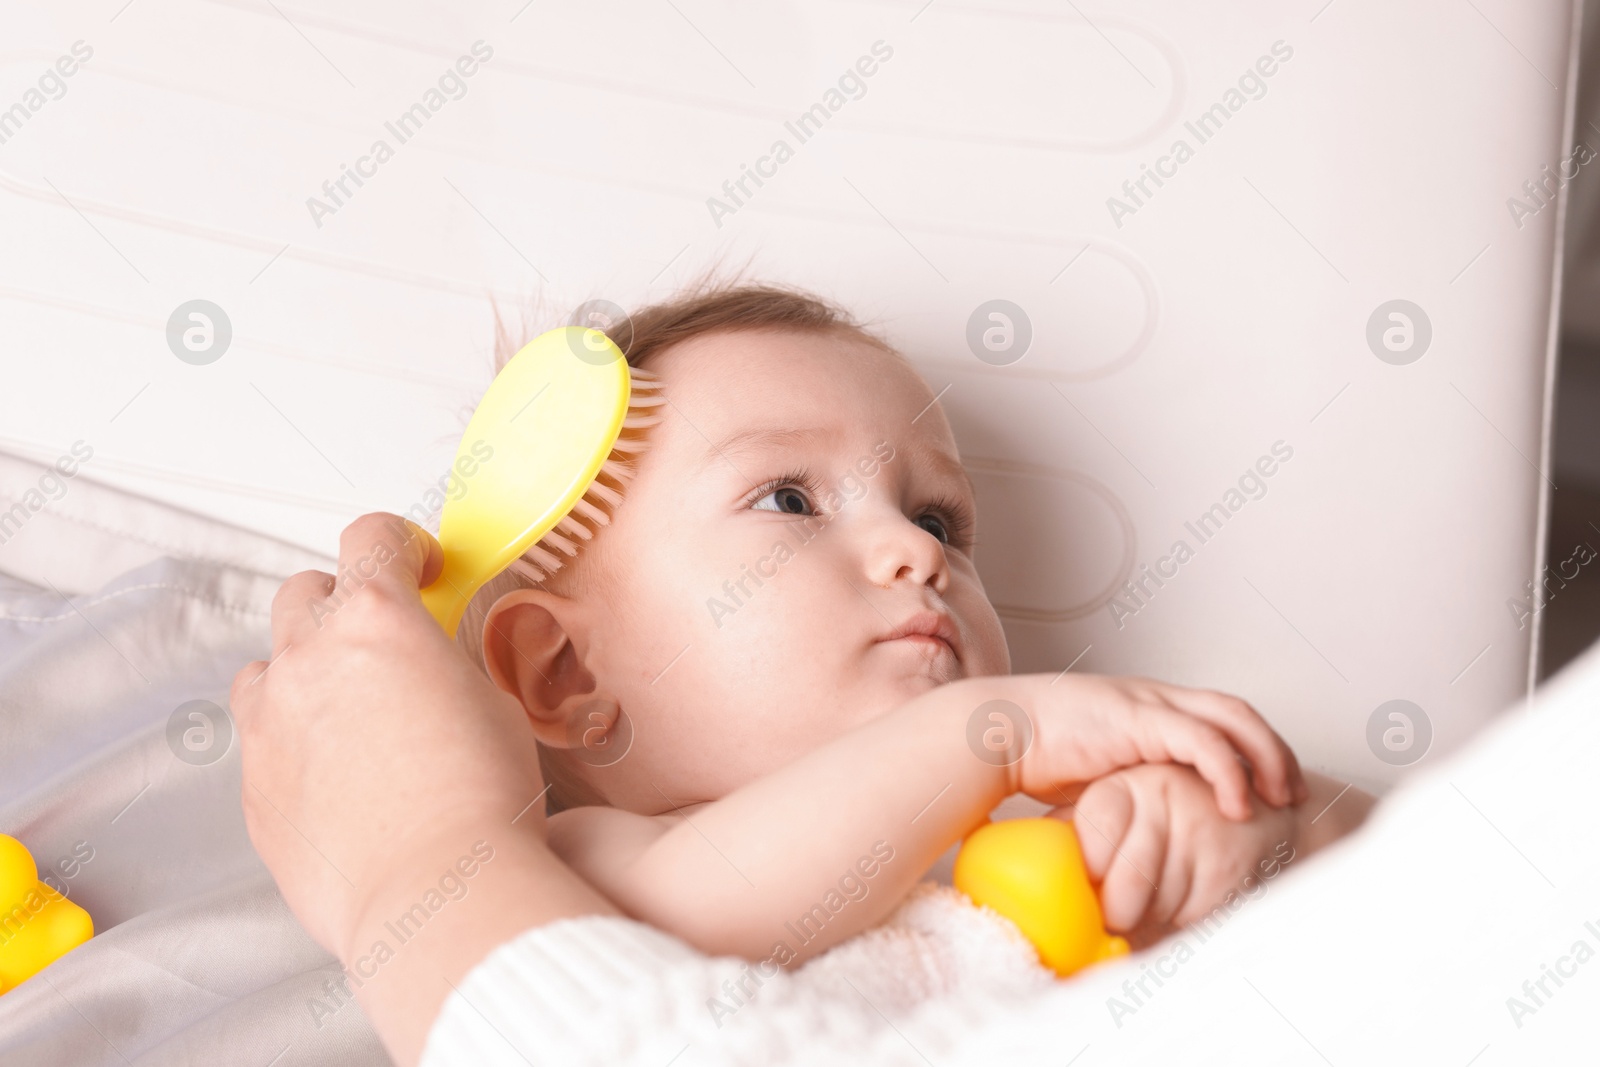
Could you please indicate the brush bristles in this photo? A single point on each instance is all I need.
(574, 529)
(593, 509)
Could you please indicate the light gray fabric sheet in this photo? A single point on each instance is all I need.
(195, 959)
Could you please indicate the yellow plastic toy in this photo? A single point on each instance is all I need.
(1032, 872)
(37, 924)
(562, 412)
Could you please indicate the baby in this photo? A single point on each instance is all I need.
(776, 672)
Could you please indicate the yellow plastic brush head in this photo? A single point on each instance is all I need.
(543, 463)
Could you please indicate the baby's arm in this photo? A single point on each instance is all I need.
(826, 846)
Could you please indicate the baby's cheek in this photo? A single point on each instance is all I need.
(987, 651)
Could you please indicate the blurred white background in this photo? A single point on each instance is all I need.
(1172, 347)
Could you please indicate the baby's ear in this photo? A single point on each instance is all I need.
(530, 651)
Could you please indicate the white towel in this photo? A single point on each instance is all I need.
(936, 945)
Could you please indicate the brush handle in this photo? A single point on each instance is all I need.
(444, 599)
(534, 447)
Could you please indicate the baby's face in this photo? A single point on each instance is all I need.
(801, 500)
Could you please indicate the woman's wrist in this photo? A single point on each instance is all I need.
(452, 899)
(458, 846)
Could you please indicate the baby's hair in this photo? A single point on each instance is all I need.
(708, 305)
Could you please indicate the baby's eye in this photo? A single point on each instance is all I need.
(935, 525)
(787, 499)
(790, 494)
(950, 522)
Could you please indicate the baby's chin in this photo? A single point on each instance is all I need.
(916, 666)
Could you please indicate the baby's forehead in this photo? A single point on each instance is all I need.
(779, 376)
(834, 392)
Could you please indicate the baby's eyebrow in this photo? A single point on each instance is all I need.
(947, 465)
(755, 440)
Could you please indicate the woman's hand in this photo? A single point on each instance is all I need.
(380, 767)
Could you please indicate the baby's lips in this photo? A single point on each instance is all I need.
(928, 624)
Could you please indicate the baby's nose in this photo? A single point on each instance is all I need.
(902, 551)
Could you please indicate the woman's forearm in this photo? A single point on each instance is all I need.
(469, 888)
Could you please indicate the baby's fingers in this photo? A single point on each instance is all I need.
(1131, 882)
(1128, 842)
(1184, 738)
(1102, 813)
(1274, 768)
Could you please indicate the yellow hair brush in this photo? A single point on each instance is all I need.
(564, 423)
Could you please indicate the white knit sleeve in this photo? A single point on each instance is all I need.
(606, 990)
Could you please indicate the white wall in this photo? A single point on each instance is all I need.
(1229, 312)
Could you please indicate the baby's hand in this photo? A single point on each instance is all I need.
(1087, 726)
(1162, 853)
